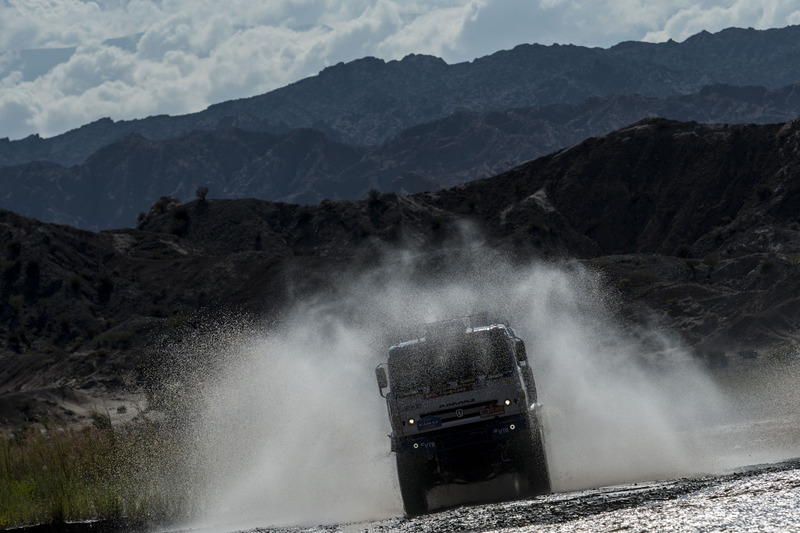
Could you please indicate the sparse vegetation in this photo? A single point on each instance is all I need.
(682, 250)
(763, 191)
(64, 322)
(374, 197)
(14, 247)
(117, 339)
(128, 474)
(9, 269)
(15, 301)
(74, 282)
(537, 224)
(471, 201)
(156, 310)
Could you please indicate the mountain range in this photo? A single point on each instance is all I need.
(693, 225)
(400, 126)
(697, 226)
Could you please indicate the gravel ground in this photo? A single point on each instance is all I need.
(757, 498)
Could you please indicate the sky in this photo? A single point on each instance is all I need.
(65, 63)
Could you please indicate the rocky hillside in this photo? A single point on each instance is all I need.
(366, 101)
(695, 225)
(118, 182)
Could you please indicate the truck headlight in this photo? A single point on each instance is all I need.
(411, 421)
(507, 402)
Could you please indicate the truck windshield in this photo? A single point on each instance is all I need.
(436, 362)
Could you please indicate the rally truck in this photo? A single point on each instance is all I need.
(463, 409)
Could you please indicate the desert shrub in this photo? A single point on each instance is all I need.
(76, 343)
(162, 205)
(156, 311)
(74, 282)
(16, 338)
(304, 215)
(682, 250)
(64, 322)
(374, 196)
(104, 287)
(102, 352)
(117, 339)
(15, 302)
(710, 322)
(178, 227)
(363, 231)
(763, 191)
(32, 269)
(393, 232)
(537, 224)
(180, 212)
(9, 269)
(518, 186)
(673, 307)
(716, 358)
(14, 246)
(180, 320)
(748, 354)
(472, 200)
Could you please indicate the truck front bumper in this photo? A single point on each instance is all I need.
(447, 440)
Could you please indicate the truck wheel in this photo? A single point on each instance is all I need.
(412, 474)
(532, 460)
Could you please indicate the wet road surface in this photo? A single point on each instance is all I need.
(756, 498)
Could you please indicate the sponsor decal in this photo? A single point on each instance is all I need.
(492, 410)
(429, 422)
(454, 390)
(453, 404)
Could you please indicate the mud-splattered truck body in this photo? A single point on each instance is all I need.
(463, 408)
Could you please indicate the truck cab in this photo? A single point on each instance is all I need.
(463, 408)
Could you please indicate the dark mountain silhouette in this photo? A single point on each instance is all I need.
(697, 226)
(366, 101)
(120, 181)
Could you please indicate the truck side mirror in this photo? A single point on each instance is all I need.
(383, 381)
(519, 348)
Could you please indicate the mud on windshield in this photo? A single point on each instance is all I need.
(436, 362)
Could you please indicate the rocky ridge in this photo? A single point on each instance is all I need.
(366, 101)
(695, 225)
(121, 180)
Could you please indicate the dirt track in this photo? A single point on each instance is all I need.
(764, 498)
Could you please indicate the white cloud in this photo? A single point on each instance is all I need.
(714, 16)
(193, 53)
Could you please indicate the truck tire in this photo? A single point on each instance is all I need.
(412, 474)
(532, 459)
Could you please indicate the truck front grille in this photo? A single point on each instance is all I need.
(466, 412)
